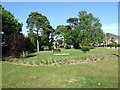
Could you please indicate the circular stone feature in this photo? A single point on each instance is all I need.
(62, 54)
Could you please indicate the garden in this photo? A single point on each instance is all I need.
(94, 69)
(50, 58)
(63, 57)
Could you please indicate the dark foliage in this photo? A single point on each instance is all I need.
(85, 48)
(92, 47)
(68, 47)
(30, 47)
(15, 44)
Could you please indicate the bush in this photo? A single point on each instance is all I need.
(53, 61)
(102, 46)
(61, 46)
(52, 47)
(112, 45)
(68, 47)
(30, 62)
(42, 61)
(92, 47)
(16, 44)
(118, 45)
(29, 45)
(24, 54)
(9, 59)
(37, 62)
(46, 62)
(85, 48)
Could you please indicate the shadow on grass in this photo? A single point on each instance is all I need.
(30, 56)
(116, 55)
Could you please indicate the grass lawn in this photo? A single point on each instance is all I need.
(101, 74)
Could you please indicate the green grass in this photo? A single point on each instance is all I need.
(73, 54)
(102, 74)
(47, 58)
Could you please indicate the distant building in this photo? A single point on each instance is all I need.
(110, 35)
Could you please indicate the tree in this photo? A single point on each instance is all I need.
(87, 29)
(39, 24)
(11, 29)
(112, 40)
(72, 22)
(90, 28)
(61, 31)
(9, 24)
(60, 42)
(72, 38)
(34, 22)
(47, 36)
(16, 44)
(31, 41)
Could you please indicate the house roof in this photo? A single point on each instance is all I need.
(110, 35)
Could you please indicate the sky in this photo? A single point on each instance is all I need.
(60, 0)
(58, 12)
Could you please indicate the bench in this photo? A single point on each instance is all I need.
(56, 50)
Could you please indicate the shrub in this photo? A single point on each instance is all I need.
(112, 45)
(16, 44)
(61, 46)
(102, 46)
(30, 45)
(24, 62)
(83, 58)
(68, 47)
(42, 62)
(9, 59)
(30, 62)
(85, 48)
(118, 45)
(37, 62)
(24, 54)
(52, 47)
(53, 61)
(57, 61)
(92, 47)
(46, 62)
(50, 62)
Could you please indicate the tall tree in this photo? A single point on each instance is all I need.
(34, 22)
(87, 28)
(72, 38)
(11, 29)
(61, 31)
(39, 24)
(31, 41)
(72, 22)
(90, 28)
(47, 36)
(9, 24)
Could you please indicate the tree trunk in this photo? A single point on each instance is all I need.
(37, 43)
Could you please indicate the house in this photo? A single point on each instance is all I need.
(110, 35)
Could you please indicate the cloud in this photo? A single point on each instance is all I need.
(110, 28)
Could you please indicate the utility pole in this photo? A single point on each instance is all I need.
(106, 40)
